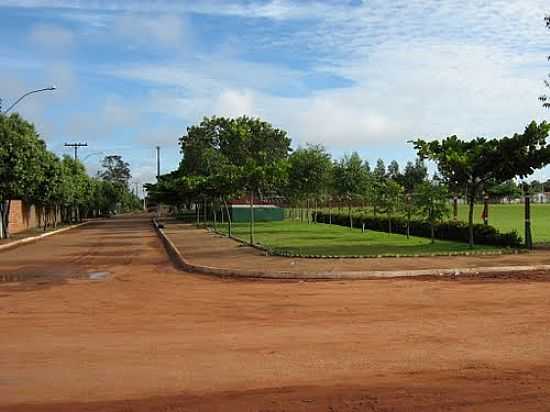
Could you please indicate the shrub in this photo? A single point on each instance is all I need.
(450, 230)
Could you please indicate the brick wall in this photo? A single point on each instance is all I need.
(24, 216)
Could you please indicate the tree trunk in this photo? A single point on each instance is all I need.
(45, 218)
(1, 220)
(485, 210)
(471, 201)
(307, 212)
(55, 209)
(455, 208)
(228, 218)
(408, 223)
(432, 231)
(251, 217)
(528, 237)
(214, 213)
(6, 218)
(329, 213)
(197, 207)
(315, 214)
(350, 217)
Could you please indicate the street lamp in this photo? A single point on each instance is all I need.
(26, 94)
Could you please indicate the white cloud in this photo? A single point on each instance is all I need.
(158, 31)
(235, 103)
(416, 68)
(399, 93)
(51, 37)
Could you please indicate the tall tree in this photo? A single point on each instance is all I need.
(379, 171)
(309, 173)
(351, 179)
(390, 199)
(20, 172)
(255, 150)
(414, 174)
(431, 202)
(393, 170)
(115, 170)
(475, 163)
(261, 151)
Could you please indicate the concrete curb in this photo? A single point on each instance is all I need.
(32, 239)
(183, 264)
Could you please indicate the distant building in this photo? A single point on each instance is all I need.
(541, 197)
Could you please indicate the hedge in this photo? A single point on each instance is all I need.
(450, 230)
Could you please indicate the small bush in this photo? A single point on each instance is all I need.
(450, 230)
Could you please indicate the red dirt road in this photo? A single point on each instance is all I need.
(150, 338)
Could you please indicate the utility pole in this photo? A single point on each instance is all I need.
(76, 146)
(158, 177)
(158, 162)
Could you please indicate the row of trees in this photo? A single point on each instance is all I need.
(226, 158)
(60, 188)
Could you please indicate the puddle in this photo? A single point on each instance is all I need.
(98, 275)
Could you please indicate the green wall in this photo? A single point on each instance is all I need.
(261, 214)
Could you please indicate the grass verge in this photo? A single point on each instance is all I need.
(320, 240)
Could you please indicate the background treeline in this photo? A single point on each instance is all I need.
(224, 159)
(60, 187)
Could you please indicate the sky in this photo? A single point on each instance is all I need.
(365, 76)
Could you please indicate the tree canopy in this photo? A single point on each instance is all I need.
(476, 163)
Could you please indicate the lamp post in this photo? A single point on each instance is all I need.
(28, 93)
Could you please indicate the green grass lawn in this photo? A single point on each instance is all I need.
(332, 240)
(507, 218)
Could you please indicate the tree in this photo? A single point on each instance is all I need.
(309, 173)
(115, 170)
(75, 188)
(414, 174)
(508, 189)
(545, 99)
(350, 179)
(379, 171)
(391, 199)
(393, 170)
(254, 149)
(49, 190)
(431, 203)
(20, 147)
(475, 163)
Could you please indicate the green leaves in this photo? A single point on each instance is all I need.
(309, 172)
(351, 176)
(231, 156)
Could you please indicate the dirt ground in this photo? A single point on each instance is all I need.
(98, 320)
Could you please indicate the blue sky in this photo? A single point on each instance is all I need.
(354, 75)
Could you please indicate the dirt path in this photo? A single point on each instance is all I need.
(148, 337)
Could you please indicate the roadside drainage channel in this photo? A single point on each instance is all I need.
(183, 264)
